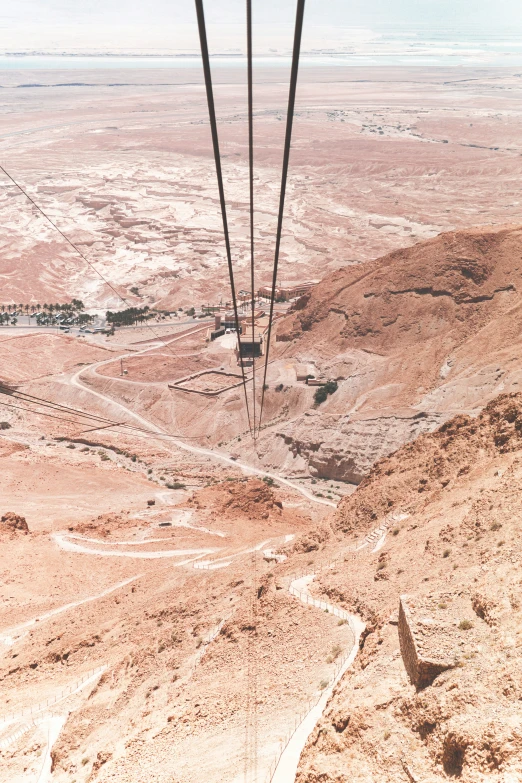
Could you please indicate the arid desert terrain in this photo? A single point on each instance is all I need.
(339, 600)
(382, 158)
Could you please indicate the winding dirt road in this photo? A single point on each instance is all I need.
(153, 429)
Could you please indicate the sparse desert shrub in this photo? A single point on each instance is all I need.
(446, 553)
(70, 446)
(176, 485)
(322, 392)
(387, 735)
(320, 395)
(279, 387)
(443, 605)
(85, 450)
(495, 526)
(104, 457)
(342, 622)
(133, 458)
(381, 565)
(336, 651)
(268, 480)
(329, 659)
(323, 684)
(85, 761)
(4, 425)
(396, 531)
(501, 543)
(465, 625)
(149, 471)
(199, 642)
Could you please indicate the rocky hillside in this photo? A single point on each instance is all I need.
(435, 690)
(412, 338)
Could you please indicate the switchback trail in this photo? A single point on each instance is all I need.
(286, 769)
(12, 635)
(75, 380)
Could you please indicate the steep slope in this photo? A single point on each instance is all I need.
(412, 338)
(454, 562)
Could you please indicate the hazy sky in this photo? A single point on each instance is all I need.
(169, 25)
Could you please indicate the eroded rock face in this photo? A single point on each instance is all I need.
(455, 561)
(13, 522)
(344, 449)
(417, 333)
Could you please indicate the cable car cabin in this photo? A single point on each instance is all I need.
(251, 348)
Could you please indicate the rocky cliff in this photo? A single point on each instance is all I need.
(412, 339)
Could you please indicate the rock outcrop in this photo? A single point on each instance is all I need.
(435, 690)
(412, 338)
(13, 522)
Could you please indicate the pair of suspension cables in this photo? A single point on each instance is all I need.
(254, 426)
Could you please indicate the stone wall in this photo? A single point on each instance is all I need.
(421, 671)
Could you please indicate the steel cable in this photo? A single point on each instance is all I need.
(217, 159)
(82, 255)
(286, 160)
(251, 193)
(30, 399)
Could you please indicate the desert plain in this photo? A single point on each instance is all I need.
(182, 604)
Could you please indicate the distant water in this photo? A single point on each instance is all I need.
(348, 47)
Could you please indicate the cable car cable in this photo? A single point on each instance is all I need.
(217, 159)
(284, 177)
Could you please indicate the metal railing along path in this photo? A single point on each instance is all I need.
(62, 694)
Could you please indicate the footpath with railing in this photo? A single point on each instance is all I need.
(297, 582)
(213, 634)
(36, 709)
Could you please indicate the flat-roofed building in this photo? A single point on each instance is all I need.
(229, 320)
(287, 290)
(251, 348)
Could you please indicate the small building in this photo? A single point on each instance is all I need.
(217, 333)
(228, 321)
(303, 372)
(286, 291)
(251, 348)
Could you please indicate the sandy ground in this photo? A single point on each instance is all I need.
(123, 162)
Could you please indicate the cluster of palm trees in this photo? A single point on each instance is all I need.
(44, 313)
(68, 307)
